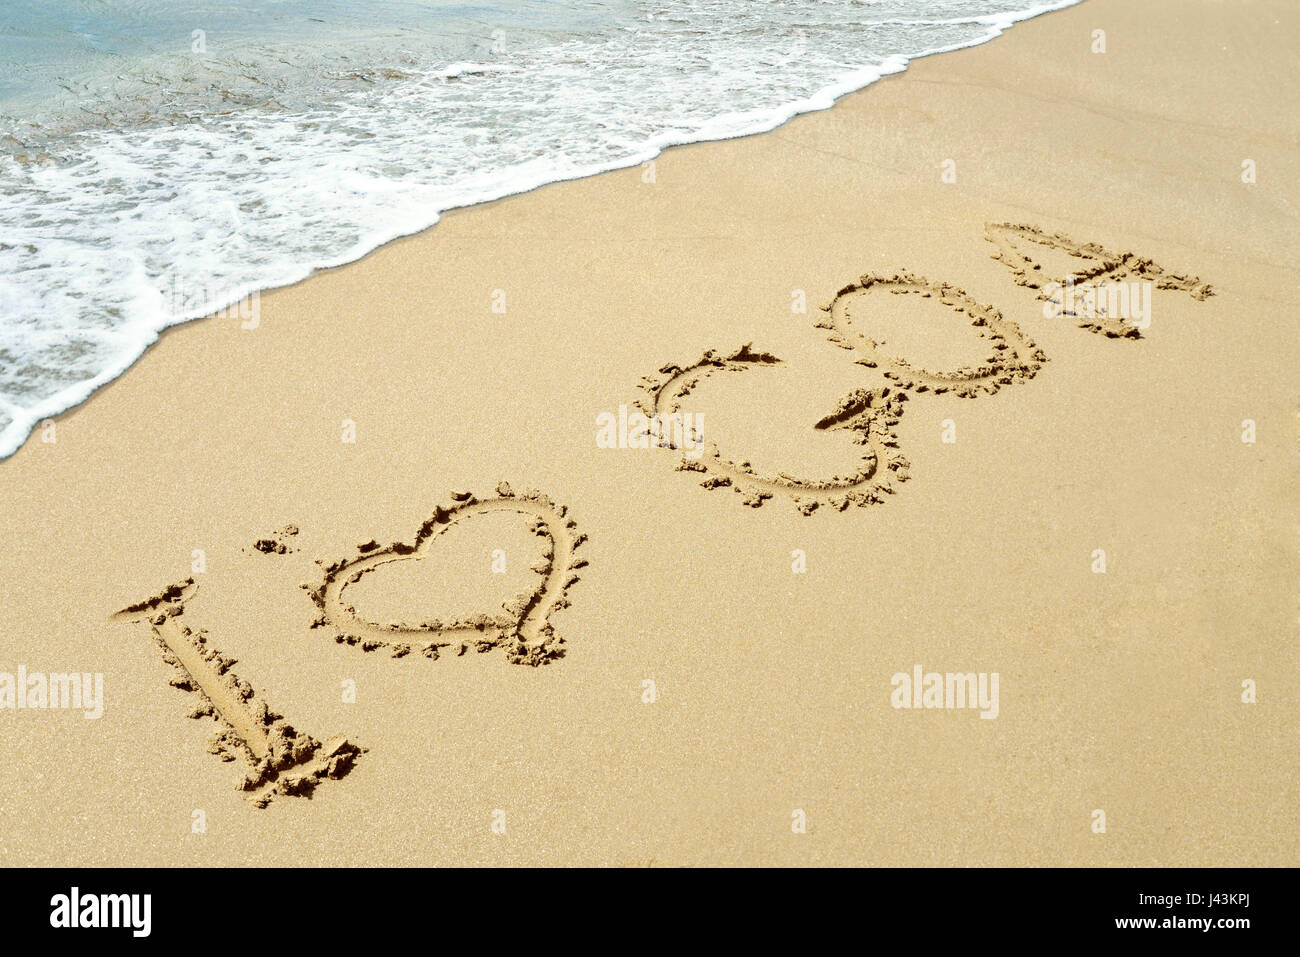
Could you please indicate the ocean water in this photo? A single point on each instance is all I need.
(162, 159)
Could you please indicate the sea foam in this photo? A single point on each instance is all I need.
(164, 182)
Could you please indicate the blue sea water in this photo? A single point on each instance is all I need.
(161, 159)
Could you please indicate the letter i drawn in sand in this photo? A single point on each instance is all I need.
(281, 759)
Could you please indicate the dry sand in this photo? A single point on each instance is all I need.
(1119, 692)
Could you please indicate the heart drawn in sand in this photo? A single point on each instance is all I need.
(523, 629)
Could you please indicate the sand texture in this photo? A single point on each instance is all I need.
(868, 411)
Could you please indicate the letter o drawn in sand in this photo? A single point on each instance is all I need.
(524, 631)
(871, 414)
(1013, 357)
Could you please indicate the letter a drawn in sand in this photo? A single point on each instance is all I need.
(1097, 265)
(871, 414)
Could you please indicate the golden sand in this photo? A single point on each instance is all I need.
(1098, 520)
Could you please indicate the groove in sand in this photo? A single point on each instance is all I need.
(1101, 266)
(1014, 357)
(869, 415)
(524, 631)
(281, 759)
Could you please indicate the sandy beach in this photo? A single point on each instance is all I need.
(613, 660)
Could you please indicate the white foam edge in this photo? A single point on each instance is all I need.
(25, 419)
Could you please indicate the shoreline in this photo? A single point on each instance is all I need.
(373, 401)
(26, 421)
